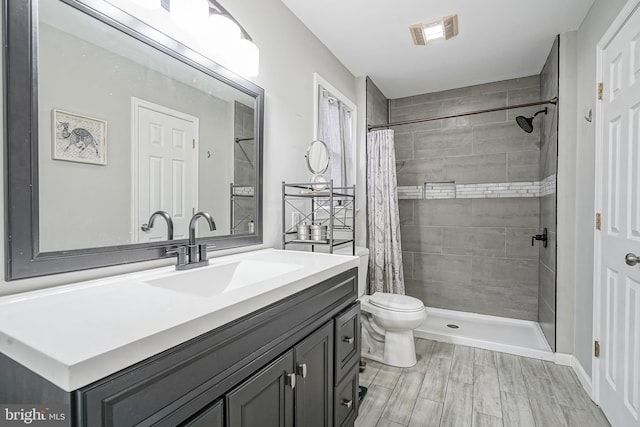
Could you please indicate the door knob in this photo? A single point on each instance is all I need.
(631, 259)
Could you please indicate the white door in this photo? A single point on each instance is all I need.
(166, 169)
(619, 282)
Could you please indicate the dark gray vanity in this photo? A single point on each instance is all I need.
(294, 362)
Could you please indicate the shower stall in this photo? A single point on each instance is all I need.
(477, 201)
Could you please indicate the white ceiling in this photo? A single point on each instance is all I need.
(497, 40)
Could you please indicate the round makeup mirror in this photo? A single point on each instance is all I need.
(317, 157)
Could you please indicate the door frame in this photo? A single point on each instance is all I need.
(136, 104)
(625, 13)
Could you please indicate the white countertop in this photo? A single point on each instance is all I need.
(76, 334)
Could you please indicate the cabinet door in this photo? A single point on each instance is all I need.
(266, 398)
(347, 340)
(210, 417)
(314, 388)
(346, 399)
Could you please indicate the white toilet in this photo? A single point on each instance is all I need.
(388, 320)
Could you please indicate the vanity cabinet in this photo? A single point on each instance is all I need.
(296, 389)
(265, 399)
(277, 366)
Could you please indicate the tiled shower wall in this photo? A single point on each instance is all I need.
(548, 166)
(377, 108)
(243, 168)
(471, 254)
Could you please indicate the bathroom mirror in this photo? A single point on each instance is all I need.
(109, 120)
(317, 157)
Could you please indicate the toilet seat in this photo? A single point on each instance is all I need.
(395, 302)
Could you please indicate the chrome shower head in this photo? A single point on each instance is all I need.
(526, 123)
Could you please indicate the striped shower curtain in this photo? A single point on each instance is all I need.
(385, 251)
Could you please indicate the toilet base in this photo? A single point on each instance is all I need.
(399, 349)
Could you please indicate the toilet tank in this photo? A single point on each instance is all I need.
(363, 267)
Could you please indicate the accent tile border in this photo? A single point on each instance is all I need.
(243, 190)
(494, 190)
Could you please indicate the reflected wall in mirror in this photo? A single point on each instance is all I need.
(182, 135)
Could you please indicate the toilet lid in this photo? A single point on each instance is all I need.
(396, 302)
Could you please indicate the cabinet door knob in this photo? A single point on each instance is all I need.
(347, 403)
(291, 380)
(301, 370)
(348, 340)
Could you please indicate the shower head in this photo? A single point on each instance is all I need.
(526, 123)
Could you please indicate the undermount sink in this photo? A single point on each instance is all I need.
(223, 278)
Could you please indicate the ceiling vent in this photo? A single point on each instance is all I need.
(438, 29)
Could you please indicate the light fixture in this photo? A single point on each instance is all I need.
(245, 58)
(437, 29)
(223, 28)
(205, 25)
(147, 4)
(190, 15)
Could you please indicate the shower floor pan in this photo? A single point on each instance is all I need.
(505, 335)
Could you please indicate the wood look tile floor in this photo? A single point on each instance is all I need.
(457, 386)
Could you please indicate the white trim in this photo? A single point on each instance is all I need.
(572, 361)
(617, 23)
(318, 81)
(604, 42)
(583, 377)
(563, 359)
(136, 104)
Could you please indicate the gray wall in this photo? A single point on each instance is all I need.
(548, 166)
(470, 254)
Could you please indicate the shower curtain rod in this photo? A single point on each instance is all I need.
(243, 139)
(553, 101)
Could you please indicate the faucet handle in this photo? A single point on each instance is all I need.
(202, 252)
(181, 252)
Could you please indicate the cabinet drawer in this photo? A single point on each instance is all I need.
(210, 417)
(347, 336)
(346, 399)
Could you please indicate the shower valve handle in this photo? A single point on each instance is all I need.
(543, 237)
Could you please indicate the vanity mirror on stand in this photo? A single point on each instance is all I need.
(318, 157)
(109, 120)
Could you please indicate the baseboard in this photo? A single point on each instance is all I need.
(570, 360)
(583, 377)
(563, 359)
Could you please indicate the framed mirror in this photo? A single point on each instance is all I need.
(108, 120)
(317, 157)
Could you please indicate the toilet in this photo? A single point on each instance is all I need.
(388, 320)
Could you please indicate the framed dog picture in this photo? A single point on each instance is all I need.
(79, 138)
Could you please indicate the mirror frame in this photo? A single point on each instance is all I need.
(22, 256)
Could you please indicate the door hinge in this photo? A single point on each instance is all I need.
(596, 348)
(600, 90)
(598, 221)
(194, 143)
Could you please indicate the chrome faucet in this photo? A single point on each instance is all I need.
(193, 255)
(149, 225)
